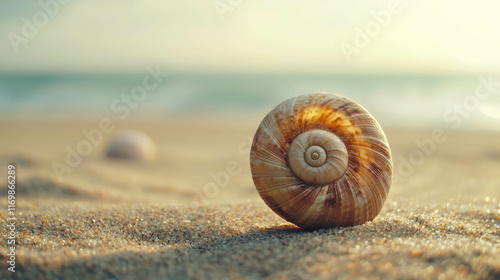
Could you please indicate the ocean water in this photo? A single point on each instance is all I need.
(404, 100)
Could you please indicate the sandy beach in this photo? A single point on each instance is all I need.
(194, 212)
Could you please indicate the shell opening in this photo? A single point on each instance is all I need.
(318, 157)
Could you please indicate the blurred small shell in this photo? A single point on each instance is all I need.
(131, 145)
(320, 161)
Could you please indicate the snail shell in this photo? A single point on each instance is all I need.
(321, 160)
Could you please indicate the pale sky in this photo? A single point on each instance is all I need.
(426, 36)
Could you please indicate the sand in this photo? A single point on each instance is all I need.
(176, 218)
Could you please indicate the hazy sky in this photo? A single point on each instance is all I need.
(255, 36)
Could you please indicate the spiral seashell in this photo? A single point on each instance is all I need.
(320, 161)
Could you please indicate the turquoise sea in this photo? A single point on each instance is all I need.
(404, 100)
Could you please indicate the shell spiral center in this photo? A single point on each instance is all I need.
(315, 156)
(318, 157)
